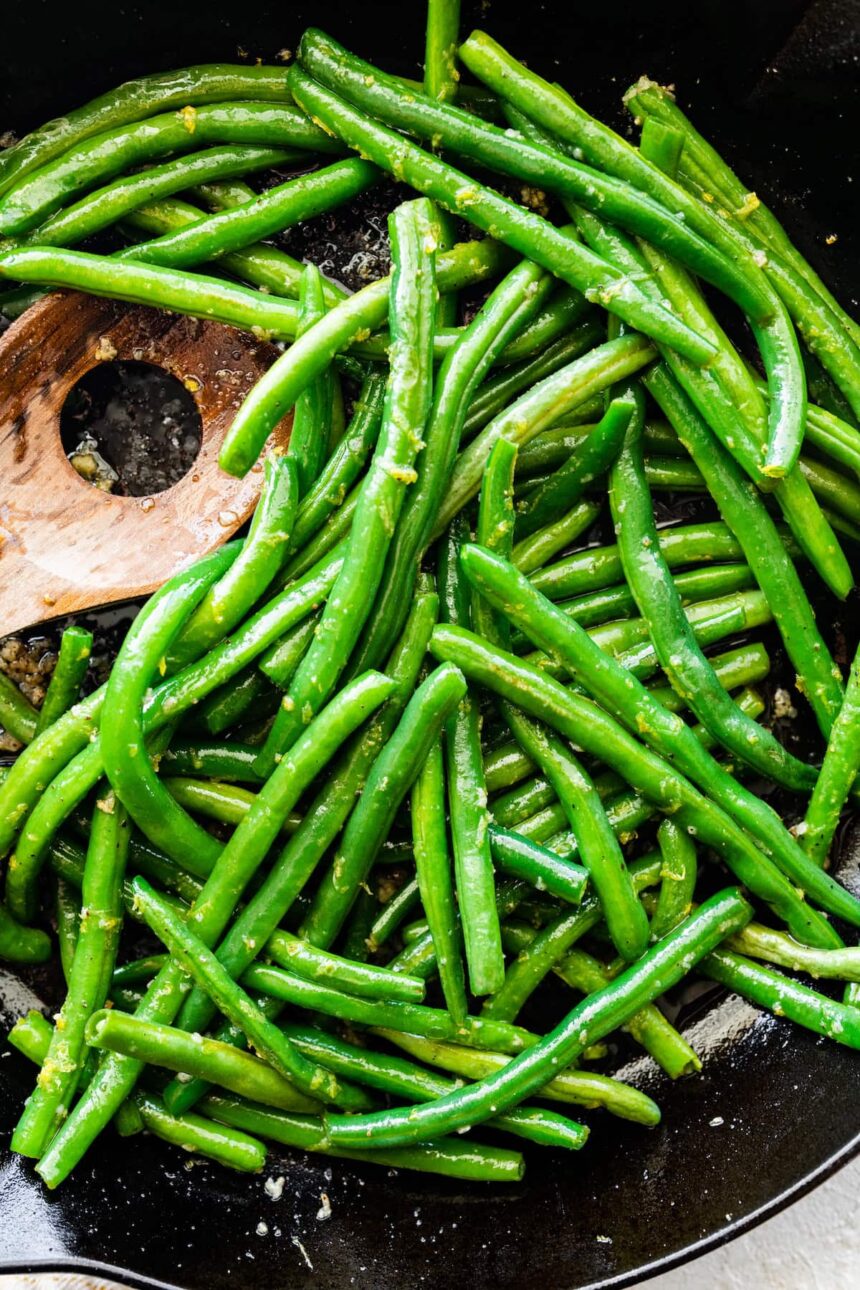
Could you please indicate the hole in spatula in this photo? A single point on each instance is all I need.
(130, 428)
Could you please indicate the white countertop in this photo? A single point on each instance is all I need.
(813, 1245)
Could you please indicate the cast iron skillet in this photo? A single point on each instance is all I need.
(775, 1110)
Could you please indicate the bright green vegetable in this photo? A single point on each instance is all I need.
(391, 778)
(107, 205)
(68, 676)
(17, 714)
(99, 158)
(191, 953)
(785, 997)
(435, 878)
(197, 1055)
(682, 660)
(526, 232)
(91, 970)
(134, 100)
(837, 775)
(587, 1023)
(677, 878)
(597, 845)
(450, 1157)
(391, 470)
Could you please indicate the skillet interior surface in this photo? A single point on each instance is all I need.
(772, 82)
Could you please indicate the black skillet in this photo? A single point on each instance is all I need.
(775, 1110)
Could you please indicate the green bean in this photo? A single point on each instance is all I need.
(196, 680)
(86, 165)
(540, 407)
(198, 1056)
(325, 816)
(227, 602)
(20, 944)
(631, 704)
(279, 663)
(762, 548)
(344, 466)
(417, 1018)
(517, 857)
(693, 585)
(215, 904)
(60, 767)
(261, 825)
(502, 388)
(834, 438)
(784, 997)
(205, 83)
(384, 98)
(107, 205)
(554, 109)
(453, 1158)
(357, 978)
(406, 1080)
(68, 914)
(727, 397)
(283, 206)
(227, 803)
(557, 318)
(528, 233)
(351, 321)
(541, 951)
(440, 52)
(700, 163)
(138, 970)
(759, 942)
(194, 1133)
(312, 413)
(67, 859)
(382, 493)
(832, 488)
(126, 758)
(533, 552)
(678, 878)
(580, 1087)
(588, 571)
(467, 800)
(588, 1023)
(596, 732)
(91, 970)
(259, 264)
(729, 400)
(206, 297)
(435, 879)
(68, 676)
(193, 956)
(680, 657)
(223, 761)
(419, 957)
(837, 775)
(245, 696)
(392, 913)
(31, 1035)
(596, 842)
(391, 778)
(628, 641)
(513, 301)
(563, 489)
(17, 714)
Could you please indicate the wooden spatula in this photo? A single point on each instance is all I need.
(66, 546)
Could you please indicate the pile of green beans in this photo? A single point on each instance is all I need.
(447, 721)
